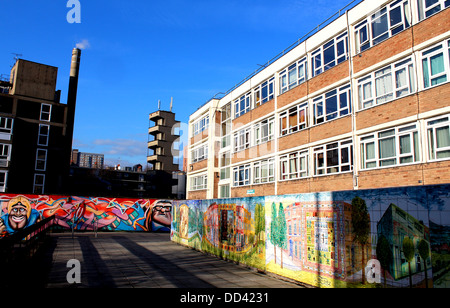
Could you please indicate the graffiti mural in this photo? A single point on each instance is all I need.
(85, 213)
(397, 237)
(230, 228)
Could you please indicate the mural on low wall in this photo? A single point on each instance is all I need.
(230, 228)
(85, 213)
(398, 237)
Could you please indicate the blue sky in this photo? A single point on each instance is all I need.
(137, 52)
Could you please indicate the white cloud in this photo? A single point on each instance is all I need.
(84, 44)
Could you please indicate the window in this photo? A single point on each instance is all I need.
(264, 92)
(4, 154)
(294, 165)
(333, 158)
(45, 112)
(6, 125)
(226, 125)
(241, 175)
(43, 134)
(199, 182)
(330, 54)
(201, 125)
(264, 130)
(430, 7)
(383, 24)
(293, 75)
(390, 147)
(38, 185)
(3, 176)
(438, 131)
(242, 105)
(386, 84)
(41, 159)
(435, 65)
(225, 160)
(224, 191)
(332, 105)
(200, 153)
(294, 119)
(242, 140)
(264, 171)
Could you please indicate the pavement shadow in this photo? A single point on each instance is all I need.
(174, 274)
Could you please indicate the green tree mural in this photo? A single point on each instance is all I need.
(361, 227)
(273, 231)
(424, 251)
(282, 230)
(408, 252)
(384, 255)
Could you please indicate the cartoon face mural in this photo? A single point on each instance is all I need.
(160, 215)
(19, 215)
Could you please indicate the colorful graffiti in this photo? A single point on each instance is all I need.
(84, 213)
(329, 239)
(230, 228)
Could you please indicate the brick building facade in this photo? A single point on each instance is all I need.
(362, 103)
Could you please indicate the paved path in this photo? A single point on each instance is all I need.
(142, 260)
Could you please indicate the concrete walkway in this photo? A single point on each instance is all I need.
(141, 260)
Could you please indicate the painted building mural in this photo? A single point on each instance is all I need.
(396, 237)
(84, 213)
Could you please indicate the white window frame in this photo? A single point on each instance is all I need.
(42, 135)
(201, 125)
(320, 104)
(425, 12)
(299, 115)
(294, 165)
(264, 171)
(264, 92)
(338, 46)
(442, 49)
(242, 139)
(5, 154)
(45, 115)
(37, 185)
(243, 104)
(6, 125)
(322, 153)
(293, 75)
(3, 180)
(372, 91)
(199, 153)
(40, 160)
(432, 125)
(241, 175)
(364, 31)
(264, 131)
(199, 182)
(393, 137)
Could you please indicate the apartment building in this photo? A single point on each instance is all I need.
(36, 129)
(363, 102)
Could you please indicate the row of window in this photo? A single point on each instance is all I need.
(390, 147)
(201, 125)
(389, 83)
(377, 27)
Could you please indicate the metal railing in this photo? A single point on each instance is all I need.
(26, 241)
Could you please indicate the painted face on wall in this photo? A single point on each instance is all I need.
(161, 213)
(18, 216)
